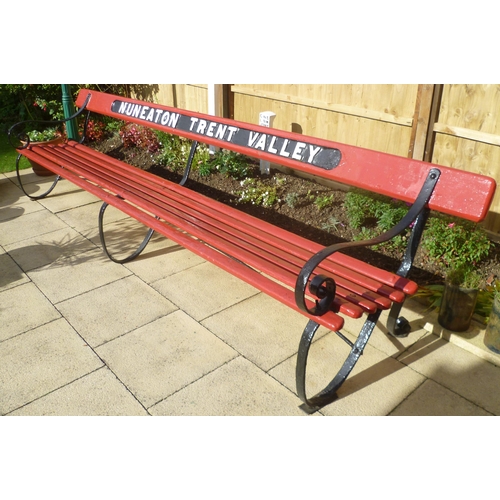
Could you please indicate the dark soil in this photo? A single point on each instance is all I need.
(304, 218)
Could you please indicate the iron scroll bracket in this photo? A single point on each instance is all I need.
(418, 214)
(22, 136)
(306, 272)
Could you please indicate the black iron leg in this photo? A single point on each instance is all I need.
(397, 325)
(40, 196)
(329, 393)
(142, 246)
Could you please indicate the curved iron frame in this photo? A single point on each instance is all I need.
(150, 232)
(135, 254)
(398, 326)
(22, 136)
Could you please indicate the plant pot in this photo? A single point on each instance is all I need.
(492, 333)
(457, 307)
(37, 168)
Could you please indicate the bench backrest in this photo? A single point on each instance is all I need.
(460, 193)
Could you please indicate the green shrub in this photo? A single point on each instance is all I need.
(257, 193)
(232, 164)
(322, 202)
(292, 199)
(451, 242)
(374, 214)
(174, 151)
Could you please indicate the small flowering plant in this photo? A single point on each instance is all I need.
(52, 107)
(44, 135)
(453, 243)
(257, 193)
(139, 136)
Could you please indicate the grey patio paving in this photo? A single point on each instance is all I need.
(170, 334)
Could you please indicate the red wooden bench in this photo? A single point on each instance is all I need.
(322, 283)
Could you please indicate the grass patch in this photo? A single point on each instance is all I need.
(8, 154)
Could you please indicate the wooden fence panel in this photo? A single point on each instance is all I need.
(379, 117)
(461, 130)
(467, 135)
(184, 96)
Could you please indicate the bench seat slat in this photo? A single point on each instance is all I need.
(222, 228)
(303, 247)
(330, 320)
(349, 307)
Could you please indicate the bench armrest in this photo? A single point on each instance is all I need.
(18, 129)
(324, 287)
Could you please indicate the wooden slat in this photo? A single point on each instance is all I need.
(372, 114)
(252, 241)
(467, 133)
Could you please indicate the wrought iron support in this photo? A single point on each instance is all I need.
(23, 137)
(306, 272)
(397, 325)
(131, 257)
(33, 197)
(322, 288)
(187, 170)
(329, 393)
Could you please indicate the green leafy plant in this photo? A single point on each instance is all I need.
(174, 151)
(374, 214)
(463, 276)
(322, 202)
(292, 200)
(433, 295)
(232, 164)
(373, 210)
(452, 243)
(257, 193)
(331, 224)
(203, 162)
(44, 135)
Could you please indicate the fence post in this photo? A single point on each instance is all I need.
(266, 119)
(69, 109)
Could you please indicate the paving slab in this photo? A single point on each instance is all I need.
(40, 361)
(161, 258)
(23, 308)
(13, 202)
(123, 236)
(377, 384)
(11, 274)
(414, 312)
(261, 329)
(67, 196)
(164, 356)
(33, 224)
(72, 276)
(107, 312)
(238, 388)
(49, 248)
(99, 393)
(463, 373)
(27, 175)
(204, 290)
(432, 399)
(85, 218)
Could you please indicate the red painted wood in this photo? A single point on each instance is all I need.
(231, 220)
(282, 294)
(269, 249)
(458, 193)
